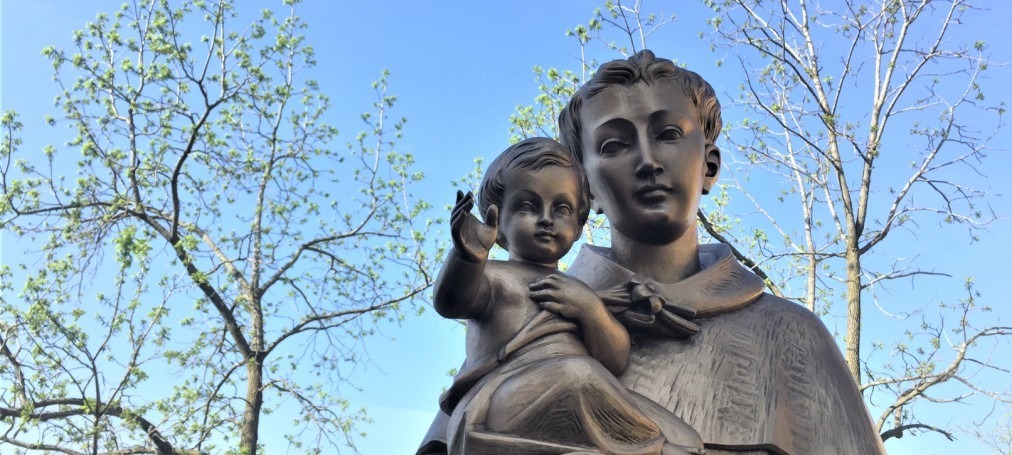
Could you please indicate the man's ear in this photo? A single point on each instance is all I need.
(594, 206)
(712, 163)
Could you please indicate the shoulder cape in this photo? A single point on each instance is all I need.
(761, 374)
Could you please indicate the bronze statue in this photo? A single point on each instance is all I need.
(762, 375)
(542, 348)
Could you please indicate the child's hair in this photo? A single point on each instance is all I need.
(534, 153)
(645, 67)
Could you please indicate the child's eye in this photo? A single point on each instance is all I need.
(525, 206)
(564, 210)
(611, 147)
(670, 133)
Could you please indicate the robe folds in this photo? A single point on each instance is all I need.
(549, 396)
(761, 376)
(762, 373)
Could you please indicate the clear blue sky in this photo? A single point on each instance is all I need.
(459, 68)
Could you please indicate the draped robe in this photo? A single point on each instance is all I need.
(762, 375)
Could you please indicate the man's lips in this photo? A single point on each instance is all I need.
(652, 191)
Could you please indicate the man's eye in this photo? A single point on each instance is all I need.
(612, 147)
(670, 134)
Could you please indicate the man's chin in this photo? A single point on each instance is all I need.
(654, 229)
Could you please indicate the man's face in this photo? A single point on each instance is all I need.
(539, 215)
(647, 159)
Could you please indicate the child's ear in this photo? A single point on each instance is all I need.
(712, 167)
(500, 239)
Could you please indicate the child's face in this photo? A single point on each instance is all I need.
(539, 215)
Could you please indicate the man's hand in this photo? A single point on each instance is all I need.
(567, 297)
(472, 239)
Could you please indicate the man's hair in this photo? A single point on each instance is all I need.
(645, 67)
(533, 154)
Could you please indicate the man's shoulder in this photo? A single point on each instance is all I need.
(780, 318)
(770, 358)
(787, 309)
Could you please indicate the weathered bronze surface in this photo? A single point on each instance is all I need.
(751, 373)
(542, 348)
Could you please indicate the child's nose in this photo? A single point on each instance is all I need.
(546, 218)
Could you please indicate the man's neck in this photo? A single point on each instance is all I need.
(669, 263)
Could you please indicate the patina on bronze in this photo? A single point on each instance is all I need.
(543, 350)
(762, 375)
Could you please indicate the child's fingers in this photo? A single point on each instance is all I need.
(457, 212)
(456, 220)
(542, 284)
(459, 202)
(463, 201)
(462, 207)
(542, 295)
(461, 195)
(549, 305)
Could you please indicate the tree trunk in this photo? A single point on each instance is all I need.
(254, 400)
(853, 340)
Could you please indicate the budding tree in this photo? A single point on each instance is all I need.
(203, 254)
(854, 122)
(872, 114)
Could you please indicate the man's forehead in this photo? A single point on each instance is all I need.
(630, 101)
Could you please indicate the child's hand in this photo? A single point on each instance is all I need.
(472, 239)
(567, 297)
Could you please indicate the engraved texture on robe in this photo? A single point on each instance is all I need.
(761, 374)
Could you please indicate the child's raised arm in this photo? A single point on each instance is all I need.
(462, 291)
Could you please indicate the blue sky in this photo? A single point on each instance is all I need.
(459, 69)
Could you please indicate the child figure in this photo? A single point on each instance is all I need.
(543, 351)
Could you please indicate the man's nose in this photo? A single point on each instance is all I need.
(648, 165)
